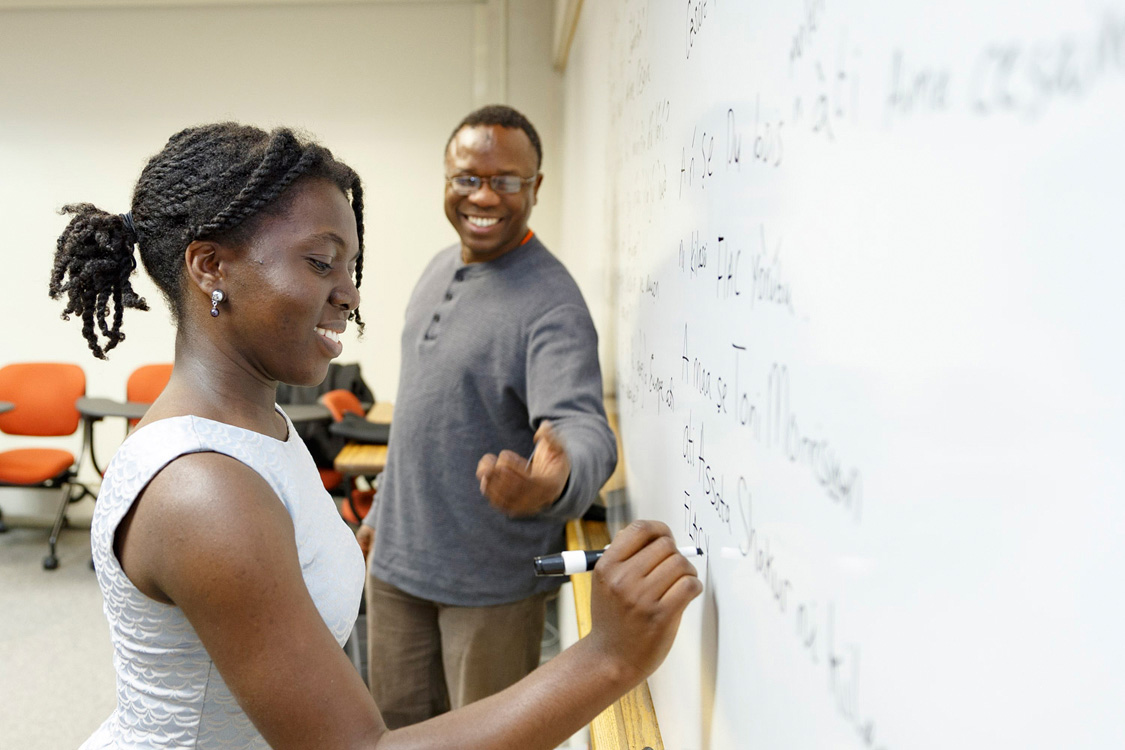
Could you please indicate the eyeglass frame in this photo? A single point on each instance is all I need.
(524, 182)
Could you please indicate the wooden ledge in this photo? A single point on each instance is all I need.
(630, 723)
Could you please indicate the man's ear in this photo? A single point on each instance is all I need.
(535, 190)
(204, 263)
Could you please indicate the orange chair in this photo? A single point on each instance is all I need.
(44, 395)
(357, 502)
(341, 402)
(146, 383)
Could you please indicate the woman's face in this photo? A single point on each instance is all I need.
(291, 289)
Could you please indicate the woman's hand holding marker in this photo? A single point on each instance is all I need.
(641, 586)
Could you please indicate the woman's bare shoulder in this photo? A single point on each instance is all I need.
(204, 517)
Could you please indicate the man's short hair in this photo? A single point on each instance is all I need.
(505, 117)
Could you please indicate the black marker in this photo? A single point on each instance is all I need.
(582, 561)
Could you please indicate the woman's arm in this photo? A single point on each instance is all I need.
(210, 536)
(641, 587)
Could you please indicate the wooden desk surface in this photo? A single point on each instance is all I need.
(362, 459)
(381, 411)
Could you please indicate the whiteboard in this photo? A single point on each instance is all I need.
(867, 308)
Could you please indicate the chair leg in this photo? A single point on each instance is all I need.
(84, 491)
(51, 561)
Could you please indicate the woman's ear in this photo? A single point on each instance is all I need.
(203, 260)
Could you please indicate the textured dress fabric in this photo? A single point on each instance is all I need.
(169, 693)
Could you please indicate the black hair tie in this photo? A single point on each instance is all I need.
(129, 227)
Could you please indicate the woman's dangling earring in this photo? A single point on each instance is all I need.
(217, 296)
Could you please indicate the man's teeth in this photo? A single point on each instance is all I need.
(329, 334)
(481, 221)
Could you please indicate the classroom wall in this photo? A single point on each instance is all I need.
(89, 93)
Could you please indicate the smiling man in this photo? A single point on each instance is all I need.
(499, 437)
(492, 181)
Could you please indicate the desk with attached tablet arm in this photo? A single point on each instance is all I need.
(366, 459)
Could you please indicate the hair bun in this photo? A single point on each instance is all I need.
(93, 262)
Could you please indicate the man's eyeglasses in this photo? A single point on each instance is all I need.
(467, 184)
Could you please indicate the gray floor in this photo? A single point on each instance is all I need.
(56, 668)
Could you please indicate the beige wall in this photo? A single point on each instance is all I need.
(87, 94)
(586, 237)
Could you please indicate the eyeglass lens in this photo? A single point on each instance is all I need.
(466, 184)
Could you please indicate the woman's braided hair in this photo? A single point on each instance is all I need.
(211, 182)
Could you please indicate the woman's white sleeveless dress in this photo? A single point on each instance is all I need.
(169, 694)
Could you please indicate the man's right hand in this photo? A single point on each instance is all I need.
(641, 586)
(365, 535)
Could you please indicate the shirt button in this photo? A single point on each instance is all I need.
(436, 317)
(448, 296)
